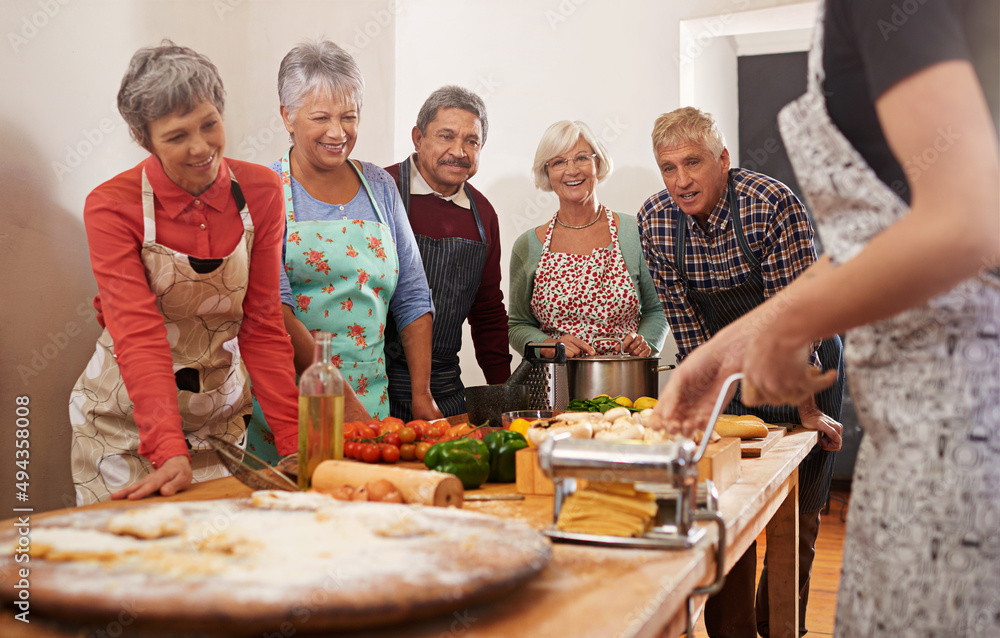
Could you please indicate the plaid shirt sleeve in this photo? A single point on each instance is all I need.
(657, 235)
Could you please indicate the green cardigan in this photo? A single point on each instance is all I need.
(524, 260)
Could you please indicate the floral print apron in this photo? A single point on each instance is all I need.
(589, 296)
(343, 273)
(922, 552)
(201, 301)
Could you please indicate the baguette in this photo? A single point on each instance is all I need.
(744, 427)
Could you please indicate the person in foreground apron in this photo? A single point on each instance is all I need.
(459, 237)
(895, 144)
(185, 249)
(580, 278)
(719, 242)
(350, 255)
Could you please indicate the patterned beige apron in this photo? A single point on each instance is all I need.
(201, 301)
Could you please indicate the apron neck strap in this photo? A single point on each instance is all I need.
(286, 181)
(734, 214)
(149, 206)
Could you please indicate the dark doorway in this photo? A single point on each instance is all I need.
(766, 84)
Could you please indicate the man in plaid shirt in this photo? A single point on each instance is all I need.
(719, 242)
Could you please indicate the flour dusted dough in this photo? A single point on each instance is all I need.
(154, 521)
(236, 568)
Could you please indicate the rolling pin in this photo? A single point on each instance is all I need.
(423, 487)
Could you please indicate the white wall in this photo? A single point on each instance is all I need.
(614, 65)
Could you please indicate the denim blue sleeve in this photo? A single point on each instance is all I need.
(283, 285)
(412, 298)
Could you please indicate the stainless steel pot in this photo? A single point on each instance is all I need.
(614, 375)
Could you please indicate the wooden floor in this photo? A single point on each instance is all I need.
(825, 574)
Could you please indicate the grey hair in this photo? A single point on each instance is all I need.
(163, 79)
(688, 124)
(318, 65)
(452, 97)
(560, 138)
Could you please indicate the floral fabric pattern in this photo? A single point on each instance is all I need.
(589, 296)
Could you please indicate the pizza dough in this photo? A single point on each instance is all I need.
(240, 568)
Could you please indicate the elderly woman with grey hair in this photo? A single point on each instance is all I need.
(186, 250)
(350, 255)
(580, 279)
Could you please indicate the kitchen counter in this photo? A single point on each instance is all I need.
(590, 590)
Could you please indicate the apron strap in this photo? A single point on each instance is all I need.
(149, 207)
(734, 214)
(286, 180)
(368, 189)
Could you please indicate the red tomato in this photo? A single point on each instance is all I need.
(351, 428)
(392, 439)
(392, 419)
(418, 426)
(421, 450)
(370, 453)
(407, 434)
(365, 432)
(407, 452)
(391, 426)
(390, 453)
(350, 448)
(433, 430)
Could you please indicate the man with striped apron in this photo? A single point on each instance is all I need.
(708, 281)
(457, 231)
(816, 470)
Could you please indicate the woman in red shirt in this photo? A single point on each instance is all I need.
(186, 251)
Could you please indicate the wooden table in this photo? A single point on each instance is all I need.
(596, 591)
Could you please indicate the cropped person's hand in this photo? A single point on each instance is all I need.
(831, 432)
(636, 346)
(168, 479)
(575, 346)
(425, 407)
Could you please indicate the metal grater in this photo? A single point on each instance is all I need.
(548, 385)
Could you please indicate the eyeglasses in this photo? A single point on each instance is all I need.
(559, 165)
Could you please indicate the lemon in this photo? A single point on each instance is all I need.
(520, 426)
(643, 403)
(601, 395)
(623, 400)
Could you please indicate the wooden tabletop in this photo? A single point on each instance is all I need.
(590, 590)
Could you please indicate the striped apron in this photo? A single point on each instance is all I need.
(454, 268)
(725, 306)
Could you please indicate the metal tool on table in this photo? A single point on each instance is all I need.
(548, 388)
(248, 468)
(485, 403)
(673, 464)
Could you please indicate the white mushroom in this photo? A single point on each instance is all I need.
(615, 413)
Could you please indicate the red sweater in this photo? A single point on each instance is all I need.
(436, 218)
(206, 227)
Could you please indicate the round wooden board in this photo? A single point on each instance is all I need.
(239, 569)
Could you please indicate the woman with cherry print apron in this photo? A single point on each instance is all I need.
(584, 279)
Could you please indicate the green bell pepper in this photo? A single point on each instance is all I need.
(468, 459)
(503, 446)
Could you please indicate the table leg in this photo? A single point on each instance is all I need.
(783, 566)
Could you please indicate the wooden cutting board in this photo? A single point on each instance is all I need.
(240, 569)
(755, 448)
